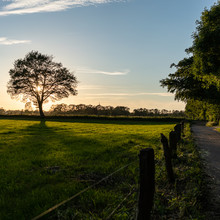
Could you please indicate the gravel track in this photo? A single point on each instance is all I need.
(208, 141)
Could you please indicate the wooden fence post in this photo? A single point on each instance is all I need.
(173, 143)
(177, 129)
(167, 155)
(147, 184)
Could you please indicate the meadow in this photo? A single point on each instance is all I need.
(44, 163)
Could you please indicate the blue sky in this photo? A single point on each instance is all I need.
(118, 49)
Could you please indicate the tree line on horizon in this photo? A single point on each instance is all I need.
(97, 110)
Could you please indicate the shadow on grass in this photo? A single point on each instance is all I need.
(43, 166)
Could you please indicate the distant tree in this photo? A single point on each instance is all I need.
(108, 110)
(164, 112)
(2, 111)
(72, 107)
(38, 78)
(28, 107)
(156, 111)
(121, 110)
(59, 108)
(80, 109)
(178, 113)
(140, 112)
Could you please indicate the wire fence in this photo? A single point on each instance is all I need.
(118, 190)
(119, 205)
(126, 193)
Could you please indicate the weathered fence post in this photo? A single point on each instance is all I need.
(177, 129)
(147, 184)
(173, 143)
(167, 155)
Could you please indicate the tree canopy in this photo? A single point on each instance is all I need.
(206, 47)
(187, 86)
(37, 78)
(197, 77)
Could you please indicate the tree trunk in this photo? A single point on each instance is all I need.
(40, 104)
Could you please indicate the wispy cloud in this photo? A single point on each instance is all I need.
(6, 41)
(93, 71)
(134, 94)
(157, 93)
(90, 87)
(35, 6)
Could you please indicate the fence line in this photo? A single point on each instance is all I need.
(147, 179)
(119, 205)
(170, 148)
(79, 193)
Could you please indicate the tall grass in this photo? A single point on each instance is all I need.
(186, 199)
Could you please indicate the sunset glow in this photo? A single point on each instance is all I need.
(118, 50)
(39, 88)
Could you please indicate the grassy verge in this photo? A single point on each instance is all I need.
(218, 129)
(211, 124)
(184, 199)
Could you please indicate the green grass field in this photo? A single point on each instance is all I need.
(44, 163)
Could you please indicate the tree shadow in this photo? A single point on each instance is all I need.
(36, 154)
(43, 123)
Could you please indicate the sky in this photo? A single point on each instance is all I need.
(119, 50)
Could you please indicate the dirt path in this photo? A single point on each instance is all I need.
(208, 141)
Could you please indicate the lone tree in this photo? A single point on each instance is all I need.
(37, 78)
